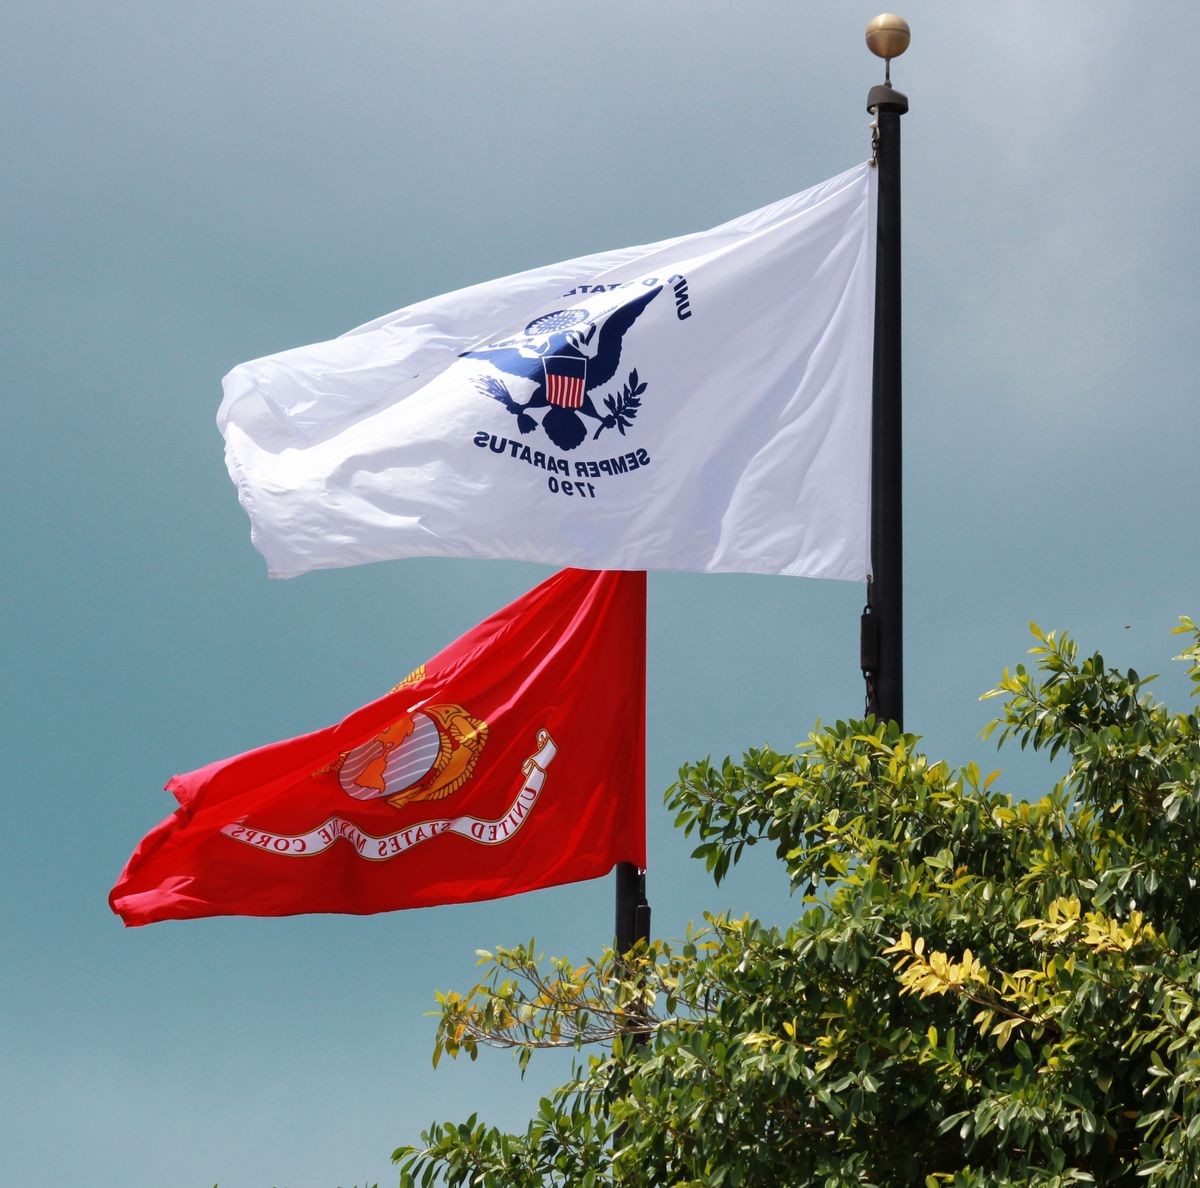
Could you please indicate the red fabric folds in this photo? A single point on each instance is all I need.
(514, 759)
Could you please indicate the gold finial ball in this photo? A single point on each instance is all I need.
(888, 35)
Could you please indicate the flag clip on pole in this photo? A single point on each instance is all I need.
(882, 641)
(868, 648)
(633, 918)
(633, 912)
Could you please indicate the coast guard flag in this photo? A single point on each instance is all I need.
(700, 403)
(514, 759)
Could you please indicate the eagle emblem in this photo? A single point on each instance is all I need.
(568, 355)
(427, 754)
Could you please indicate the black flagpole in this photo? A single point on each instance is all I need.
(633, 918)
(633, 912)
(883, 619)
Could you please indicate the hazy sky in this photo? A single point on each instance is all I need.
(191, 185)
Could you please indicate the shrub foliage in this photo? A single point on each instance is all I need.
(981, 990)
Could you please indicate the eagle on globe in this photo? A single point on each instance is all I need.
(426, 754)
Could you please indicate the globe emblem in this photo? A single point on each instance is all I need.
(560, 319)
(393, 760)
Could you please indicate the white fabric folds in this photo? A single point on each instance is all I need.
(701, 403)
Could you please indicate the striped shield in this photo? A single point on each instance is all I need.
(565, 379)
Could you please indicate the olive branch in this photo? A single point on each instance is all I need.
(622, 408)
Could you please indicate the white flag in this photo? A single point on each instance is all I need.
(701, 403)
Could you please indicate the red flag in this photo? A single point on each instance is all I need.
(514, 759)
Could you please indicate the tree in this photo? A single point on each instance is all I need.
(980, 990)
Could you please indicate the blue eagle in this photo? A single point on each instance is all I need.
(564, 336)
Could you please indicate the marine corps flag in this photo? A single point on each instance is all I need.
(698, 403)
(514, 759)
